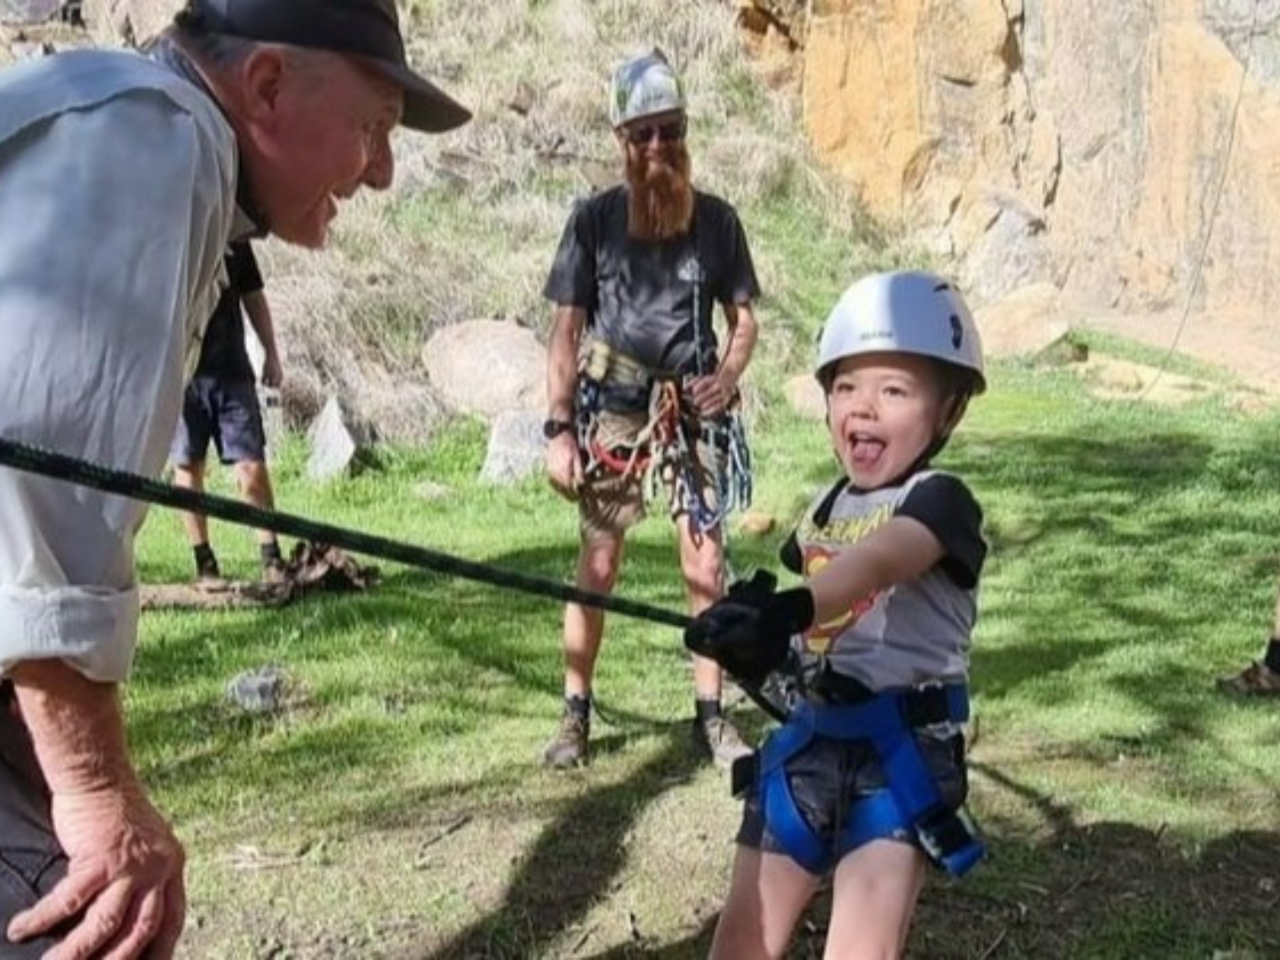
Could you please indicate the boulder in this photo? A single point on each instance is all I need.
(336, 442)
(1026, 323)
(487, 367)
(804, 396)
(515, 447)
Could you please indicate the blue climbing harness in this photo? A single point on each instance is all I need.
(912, 801)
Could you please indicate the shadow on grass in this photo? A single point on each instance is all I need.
(574, 863)
(1107, 889)
(1109, 527)
(421, 659)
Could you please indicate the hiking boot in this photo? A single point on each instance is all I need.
(718, 739)
(1255, 680)
(209, 578)
(569, 749)
(273, 571)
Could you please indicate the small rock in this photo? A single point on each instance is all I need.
(430, 490)
(522, 101)
(258, 691)
(757, 523)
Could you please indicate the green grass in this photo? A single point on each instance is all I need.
(1130, 809)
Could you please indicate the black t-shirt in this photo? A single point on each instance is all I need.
(638, 294)
(949, 510)
(222, 353)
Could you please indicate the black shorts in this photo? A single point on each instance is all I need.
(31, 860)
(829, 776)
(225, 412)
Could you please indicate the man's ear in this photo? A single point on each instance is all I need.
(262, 76)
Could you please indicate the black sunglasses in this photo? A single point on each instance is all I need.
(665, 132)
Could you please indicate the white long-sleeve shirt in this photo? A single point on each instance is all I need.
(117, 199)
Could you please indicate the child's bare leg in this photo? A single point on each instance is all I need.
(765, 899)
(876, 888)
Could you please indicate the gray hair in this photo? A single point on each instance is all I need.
(223, 51)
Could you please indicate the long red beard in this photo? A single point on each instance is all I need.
(660, 198)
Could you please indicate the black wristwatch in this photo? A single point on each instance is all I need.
(553, 428)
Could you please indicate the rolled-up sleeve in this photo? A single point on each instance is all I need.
(113, 221)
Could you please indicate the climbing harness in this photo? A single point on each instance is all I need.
(632, 422)
(704, 464)
(911, 800)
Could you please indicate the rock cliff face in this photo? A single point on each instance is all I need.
(1080, 142)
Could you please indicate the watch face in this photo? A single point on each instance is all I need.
(553, 428)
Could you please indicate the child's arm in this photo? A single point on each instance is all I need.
(902, 549)
(939, 524)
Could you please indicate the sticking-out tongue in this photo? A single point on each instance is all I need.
(866, 452)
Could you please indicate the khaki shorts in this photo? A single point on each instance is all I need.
(610, 503)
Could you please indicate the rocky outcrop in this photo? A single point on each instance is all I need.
(128, 22)
(1081, 144)
(28, 11)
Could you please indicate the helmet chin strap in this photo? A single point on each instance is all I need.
(959, 402)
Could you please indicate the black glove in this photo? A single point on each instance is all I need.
(749, 631)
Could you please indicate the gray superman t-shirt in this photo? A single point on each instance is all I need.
(913, 632)
(639, 295)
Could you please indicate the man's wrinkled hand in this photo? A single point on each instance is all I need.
(123, 891)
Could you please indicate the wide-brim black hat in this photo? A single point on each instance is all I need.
(368, 29)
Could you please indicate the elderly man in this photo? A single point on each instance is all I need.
(122, 180)
(637, 384)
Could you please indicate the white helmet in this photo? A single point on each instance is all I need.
(902, 312)
(644, 86)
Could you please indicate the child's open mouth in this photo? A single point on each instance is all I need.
(865, 450)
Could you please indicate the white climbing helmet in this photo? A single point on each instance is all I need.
(902, 312)
(644, 86)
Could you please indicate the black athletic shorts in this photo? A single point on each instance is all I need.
(31, 860)
(225, 412)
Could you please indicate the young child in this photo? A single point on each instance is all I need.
(867, 777)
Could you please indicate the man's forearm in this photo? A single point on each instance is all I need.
(740, 344)
(259, 313)
(76, 727)
(562, 362)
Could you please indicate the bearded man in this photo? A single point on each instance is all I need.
(639, 386)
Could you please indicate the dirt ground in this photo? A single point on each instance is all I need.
(1247, 346)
